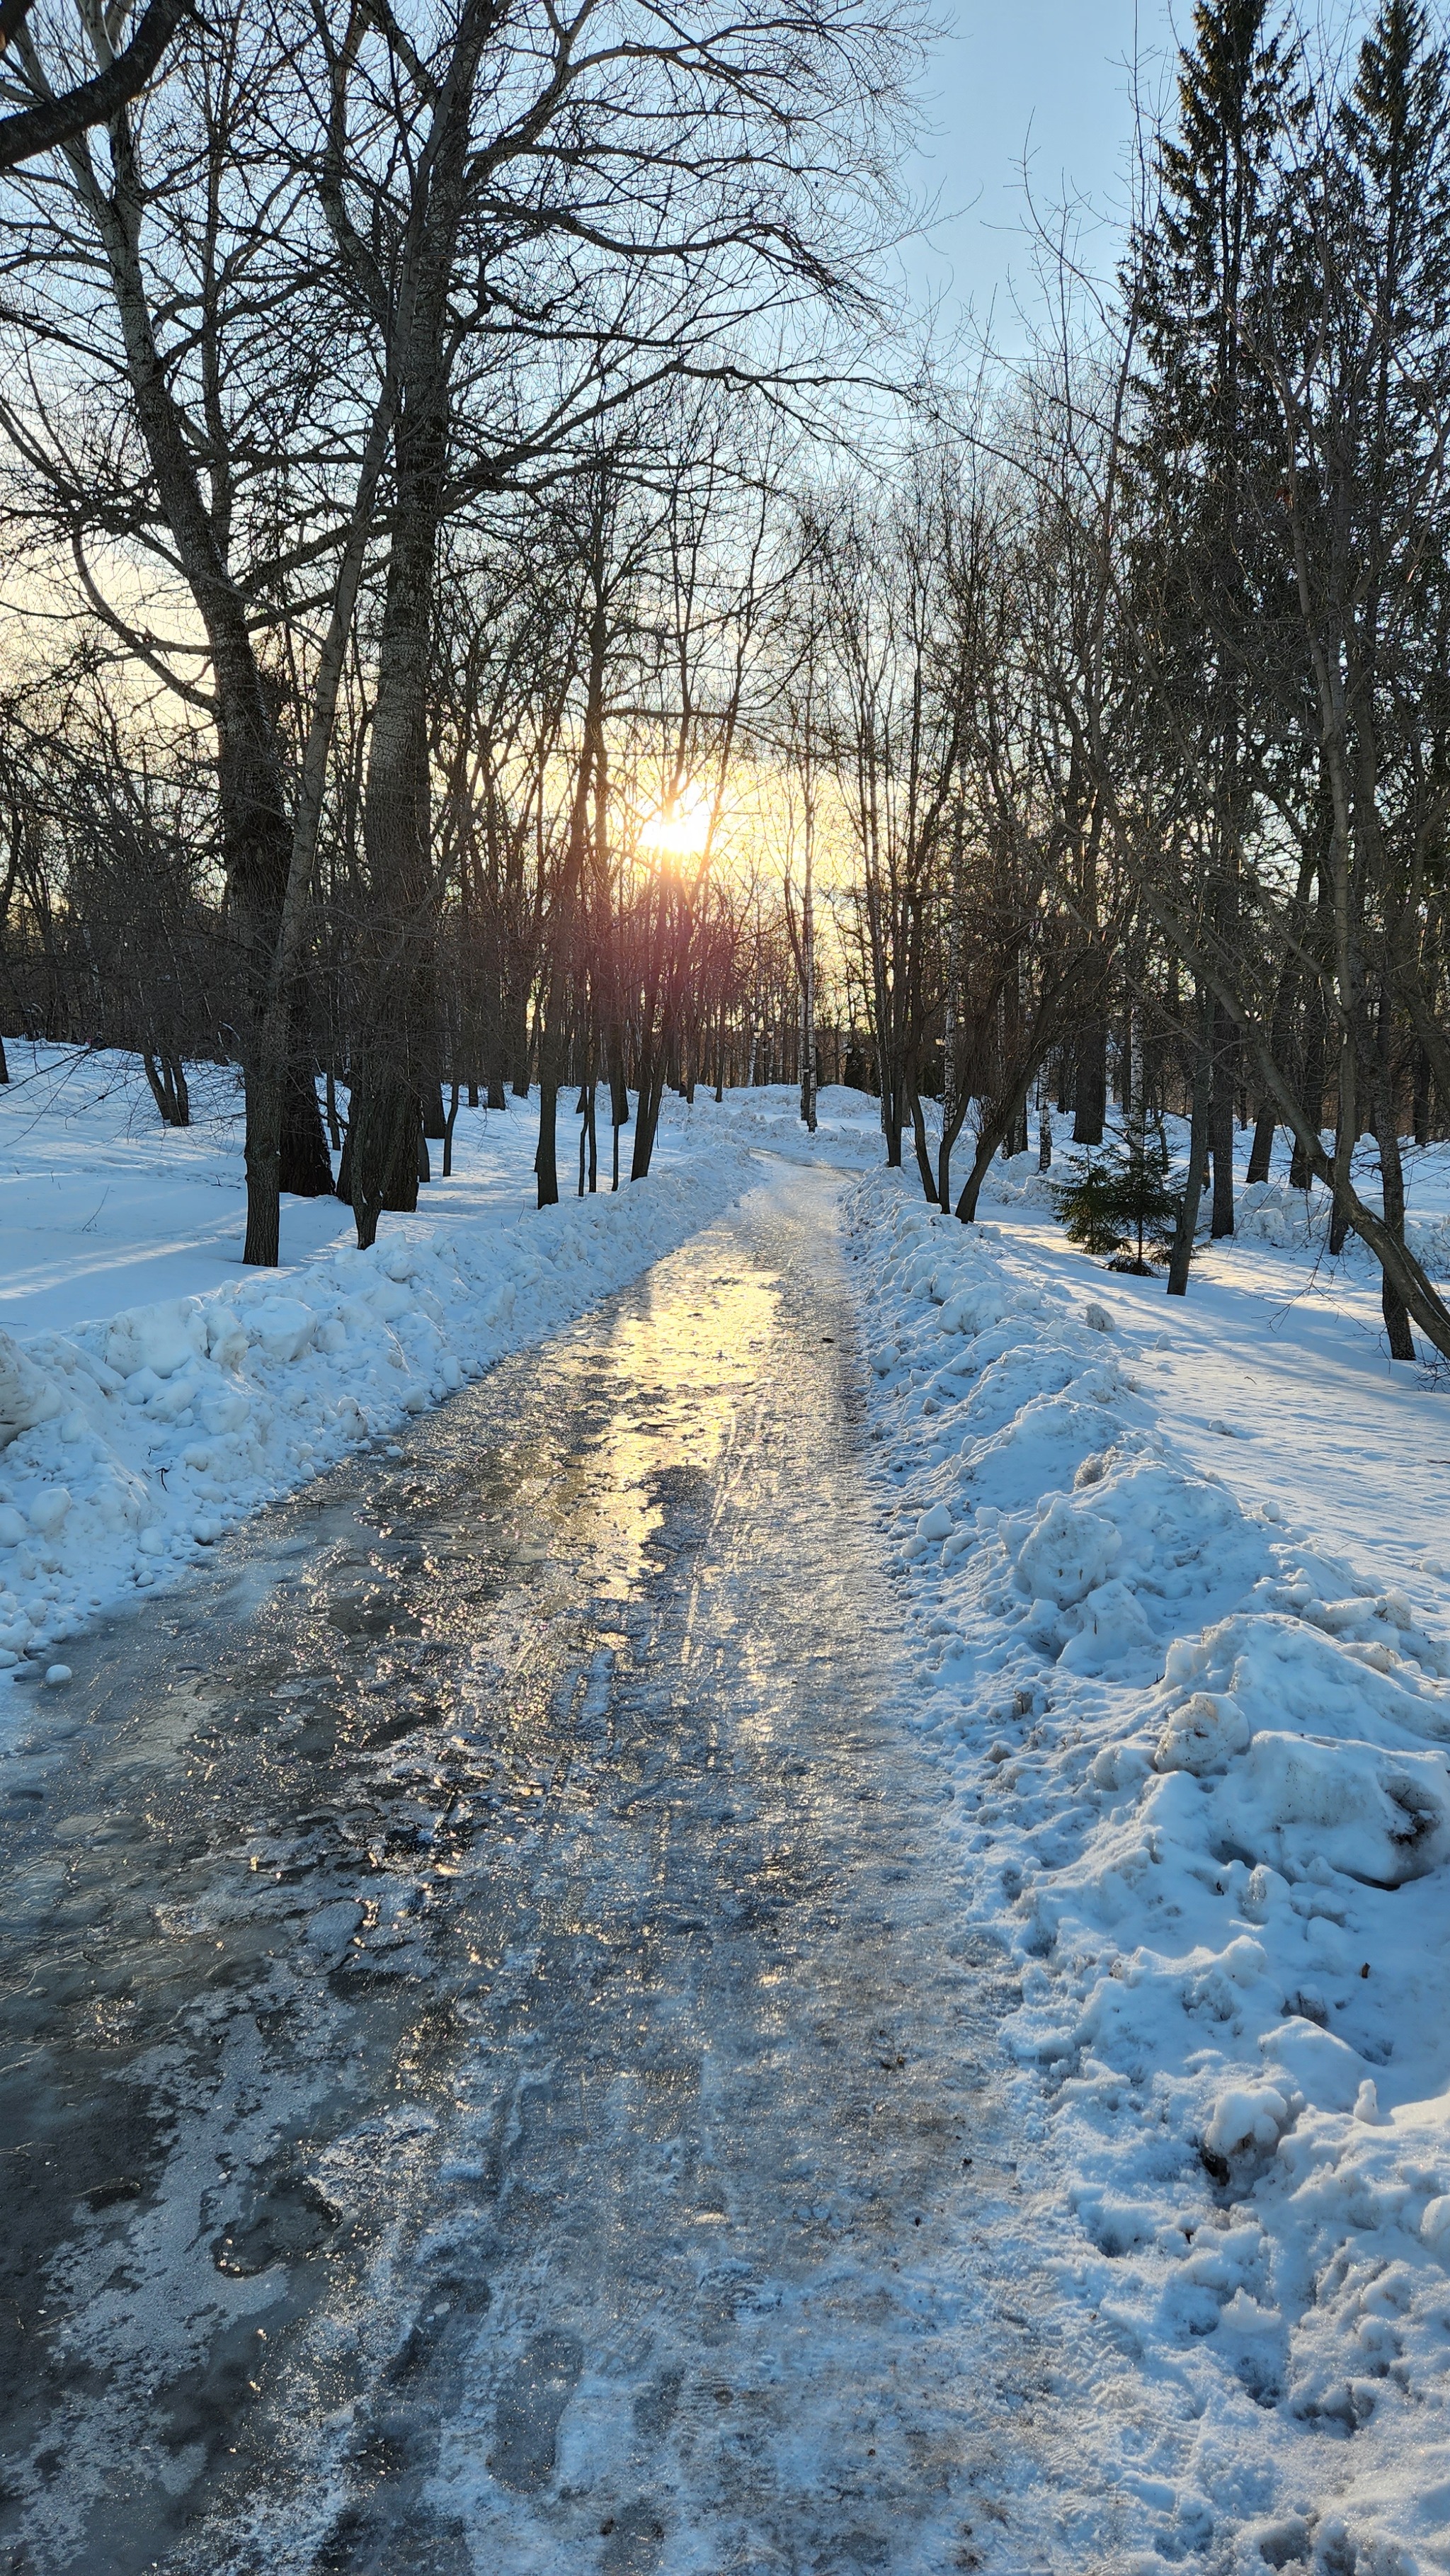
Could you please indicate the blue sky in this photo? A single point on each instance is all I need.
(1047, 78)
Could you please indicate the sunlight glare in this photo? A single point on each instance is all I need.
(680, 829)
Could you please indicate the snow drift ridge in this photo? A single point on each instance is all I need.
(1202, 1791)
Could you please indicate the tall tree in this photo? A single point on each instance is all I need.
(1202, 430)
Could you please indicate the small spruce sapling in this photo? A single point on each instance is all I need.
(1149, 1206)
(1087, 1205)
(1121, 1203)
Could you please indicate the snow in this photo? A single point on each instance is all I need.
(1174, 1579)
(153, 1392)
(1193, 1696)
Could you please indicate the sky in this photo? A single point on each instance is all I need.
(1049, 80)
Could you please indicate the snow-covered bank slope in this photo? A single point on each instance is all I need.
(132, 1439)
(1275, 1378)
(1204, 1794)
(1272, 1212)
(103, 1207)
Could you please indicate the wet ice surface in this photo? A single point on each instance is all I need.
(490, 2078)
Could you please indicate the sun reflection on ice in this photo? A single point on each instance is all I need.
(687, 1364)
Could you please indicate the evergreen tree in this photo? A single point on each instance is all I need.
(1122, 1203)
(1391, 194)
(1087, 1205)
(1207, 452)
(1365, 373)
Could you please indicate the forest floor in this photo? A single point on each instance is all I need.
(740, 1947)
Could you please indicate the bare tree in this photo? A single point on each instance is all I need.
(60, 117)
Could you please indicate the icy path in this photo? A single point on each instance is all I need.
(490, 2080)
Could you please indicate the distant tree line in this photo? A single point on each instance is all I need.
(495, 672)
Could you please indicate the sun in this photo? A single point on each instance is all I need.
(681, 828)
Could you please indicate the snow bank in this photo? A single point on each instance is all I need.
(1292, 1220)
(1201, 1778)
(848, 1123)
(1017, 1181)
(128, 1447)
(1270, 1212)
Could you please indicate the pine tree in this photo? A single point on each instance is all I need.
(1087, 1205)
(1148, 1206)
(1207, 444)
(1375, 368)
(1122, 1202)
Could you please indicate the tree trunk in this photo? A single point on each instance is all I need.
(1299, 1172)
(1392, 1177)
(808, 967)
(256, 835)
(304, 1165)
(1420, 1112)
(618, 1088)
(647, 1113)
(588, 1158)
(923, 1151)
(1187, 1228)
(398, 1048)
(618, 1097)
(167, 1078)
(893, 1117)
(1261, 1152)
(546, 1166)
(383, 1135)
(1345, 1140)
(954, 1115)
(261, 1245)
(395, 1053)
(1137, 1095)
(989, 1137)
(1221, 1126)
(1090, 1089)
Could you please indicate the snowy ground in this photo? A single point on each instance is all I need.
(158, 1392)
(1176, 1577)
